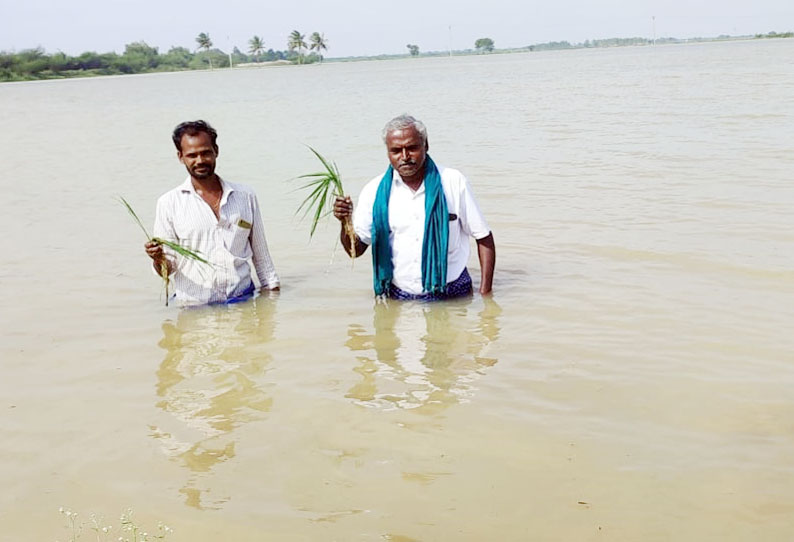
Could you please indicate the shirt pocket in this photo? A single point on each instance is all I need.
(454, 232)
(236, 235)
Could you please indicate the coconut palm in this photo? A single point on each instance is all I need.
(297, 41)
(204, 42)
(319, 44)
(256, 47)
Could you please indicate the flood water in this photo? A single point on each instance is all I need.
(630, 378)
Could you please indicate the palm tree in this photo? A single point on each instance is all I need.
(204, 42)
(296, 41)
(256, 47)
(319, 43)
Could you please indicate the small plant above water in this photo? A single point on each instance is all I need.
(325, 186)
(176, 247)
(128, 530)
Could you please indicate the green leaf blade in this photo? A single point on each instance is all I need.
(135, 216)
(324, 186)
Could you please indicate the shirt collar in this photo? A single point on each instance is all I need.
(227, 188)
(397, 180)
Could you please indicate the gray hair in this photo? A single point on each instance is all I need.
(401, 123)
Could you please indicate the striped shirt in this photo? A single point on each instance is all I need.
(229, 243)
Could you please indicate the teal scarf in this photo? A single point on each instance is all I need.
(436, 238)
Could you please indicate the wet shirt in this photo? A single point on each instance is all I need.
(407, 225)
(227, 242)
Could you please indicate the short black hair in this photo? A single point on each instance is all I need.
(191, 128)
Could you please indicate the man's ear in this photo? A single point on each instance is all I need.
(179, 155)
(427, 145)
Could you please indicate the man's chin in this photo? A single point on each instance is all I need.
(202, 175)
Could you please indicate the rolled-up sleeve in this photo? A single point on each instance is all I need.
(362, 213)
(263, 263)
(472, 220)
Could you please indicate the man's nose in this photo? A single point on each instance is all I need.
(405, 154)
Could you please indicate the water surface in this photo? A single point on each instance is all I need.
(630, 378)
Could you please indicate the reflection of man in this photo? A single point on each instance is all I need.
(210, 383)
(423, 355)
(418, 217)
(219, 219)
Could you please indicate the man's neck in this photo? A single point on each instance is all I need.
(211, 185)
(415, 181)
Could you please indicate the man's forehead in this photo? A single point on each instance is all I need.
(196, 140)
(403, 136)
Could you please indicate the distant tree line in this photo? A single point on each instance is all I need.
(486, 45)
(139, 57)
(775, 35)
(623, 42)
(610, 42)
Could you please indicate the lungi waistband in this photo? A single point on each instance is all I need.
(459, 287)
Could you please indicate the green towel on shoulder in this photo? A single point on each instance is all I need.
(436, 237)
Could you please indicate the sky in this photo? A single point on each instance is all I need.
(372, 27)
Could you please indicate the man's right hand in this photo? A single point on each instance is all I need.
(343, 208)
(155, 251)
(343, 211)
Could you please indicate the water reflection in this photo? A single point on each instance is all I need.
(423, 355)
(210, 383)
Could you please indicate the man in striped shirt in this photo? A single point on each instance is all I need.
(219, 219)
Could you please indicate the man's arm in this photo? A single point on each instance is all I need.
(343, 211)
(474, 224)
(486, 251)
(263, 263)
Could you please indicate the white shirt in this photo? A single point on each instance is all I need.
(407, 225)
(228, 242)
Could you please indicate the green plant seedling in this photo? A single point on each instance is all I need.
(176, 247)
(325, 186)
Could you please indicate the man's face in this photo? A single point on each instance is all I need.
(198, 155)
(407, 151)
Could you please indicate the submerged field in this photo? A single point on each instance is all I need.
(629, 380)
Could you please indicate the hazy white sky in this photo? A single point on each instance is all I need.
(369, 27)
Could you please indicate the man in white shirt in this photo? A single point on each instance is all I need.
(419, 218)
(218, 219)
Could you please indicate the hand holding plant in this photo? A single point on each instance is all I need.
(154, 248)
